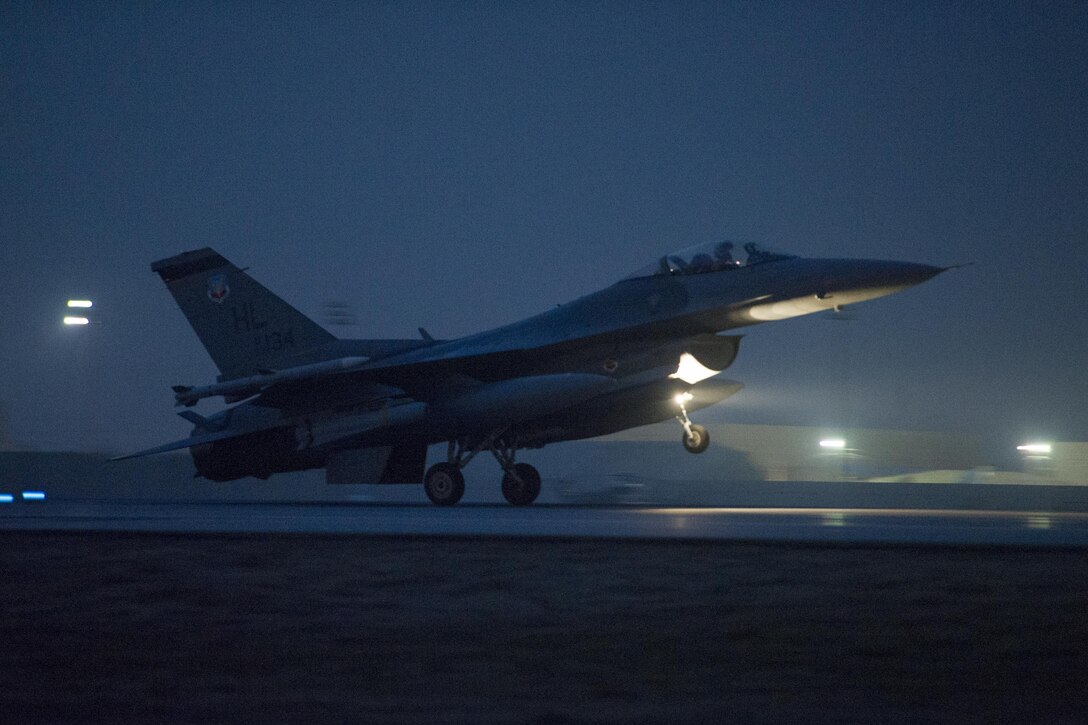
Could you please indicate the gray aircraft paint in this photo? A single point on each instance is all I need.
(602, 363)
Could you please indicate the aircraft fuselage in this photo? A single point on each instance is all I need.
(645, 349)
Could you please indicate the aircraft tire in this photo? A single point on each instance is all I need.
(525, 491)
(444, 484)
(698, 441)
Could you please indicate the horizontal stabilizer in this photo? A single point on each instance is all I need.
(193, 417)
(187, 443)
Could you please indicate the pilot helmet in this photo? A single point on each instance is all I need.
(724, 251)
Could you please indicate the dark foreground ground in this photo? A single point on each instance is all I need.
(288, 628)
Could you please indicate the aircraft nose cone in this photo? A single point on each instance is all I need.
(909, 274)
(858, 280)
(891, 275)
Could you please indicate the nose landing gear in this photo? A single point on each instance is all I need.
(696, 439)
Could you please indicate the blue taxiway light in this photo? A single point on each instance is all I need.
(6, 498)
(33, 495)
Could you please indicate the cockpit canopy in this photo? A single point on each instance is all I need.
(710, 257)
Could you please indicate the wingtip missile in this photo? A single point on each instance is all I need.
(242, 388)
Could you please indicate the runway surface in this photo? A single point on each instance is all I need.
(854, 526)
(144, 627)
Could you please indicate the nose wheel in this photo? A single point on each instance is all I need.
(696, 439)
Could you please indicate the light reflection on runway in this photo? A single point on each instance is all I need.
(882, 526)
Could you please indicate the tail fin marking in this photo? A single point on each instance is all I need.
(243, 326)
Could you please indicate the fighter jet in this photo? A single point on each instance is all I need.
(646, 349)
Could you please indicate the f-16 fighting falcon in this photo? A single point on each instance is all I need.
(643, 350)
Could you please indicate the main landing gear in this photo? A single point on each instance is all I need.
(696, 439)
(445, 485)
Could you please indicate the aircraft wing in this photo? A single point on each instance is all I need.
(434, 373)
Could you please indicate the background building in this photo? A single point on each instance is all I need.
(643, 465)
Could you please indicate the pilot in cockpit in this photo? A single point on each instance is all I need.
(755, 254)
(723, 256)
(702, 263)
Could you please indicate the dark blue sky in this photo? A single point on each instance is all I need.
(460, 166)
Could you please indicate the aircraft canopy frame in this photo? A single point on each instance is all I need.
(709, 257)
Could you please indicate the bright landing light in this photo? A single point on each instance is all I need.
(80, 303)
(682, 398)
(691, 370)
(837, 443)
(1035, 448)
(76, 321)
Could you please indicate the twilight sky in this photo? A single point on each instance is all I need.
(463, 165)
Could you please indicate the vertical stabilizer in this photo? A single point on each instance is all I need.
(244, 327)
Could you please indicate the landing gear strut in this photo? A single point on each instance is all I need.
(444, 483)
(696, 439)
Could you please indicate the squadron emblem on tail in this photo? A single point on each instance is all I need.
(217, 288)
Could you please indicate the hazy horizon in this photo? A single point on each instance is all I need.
(460, 166)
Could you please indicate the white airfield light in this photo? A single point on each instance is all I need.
(1043, 448)
(833, 443)
(76, 321)
(80, 303)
